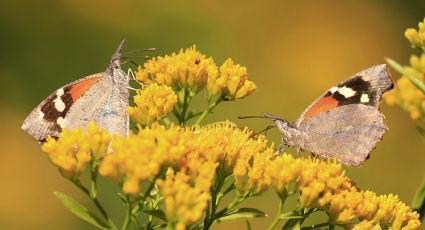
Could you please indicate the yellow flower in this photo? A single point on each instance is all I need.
(406, 95)
(283, 170)
(152, 103)
(323, 185)
(253, 177)
(75, 148)
(192, 70)
(188, 69)
(413, 36)
(417, 37)
(98, 139)
(391, 97)
(233, 81)
(184, 201)
(140, 156)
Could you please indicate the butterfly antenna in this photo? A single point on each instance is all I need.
(130, 61)
(139, 50)
(266, 129)
(265, 116)
(248, 117)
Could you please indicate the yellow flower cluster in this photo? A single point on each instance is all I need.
(192, 70)
(188, 69)
(372, 210)
(407, 95)
(323, 185)
(140, 156)
(191, 156)
(417, 37)
(75, 148)
(186, 198)
(151, 103)
(233, 81)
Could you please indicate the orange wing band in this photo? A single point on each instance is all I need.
(78, 89)
(323, 105)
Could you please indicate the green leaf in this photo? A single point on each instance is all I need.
(156, 213)
(418, 203)
(291, 215)
(80, 211)
(291, 224)
(242, 213)
(409, 75)
(421, 131)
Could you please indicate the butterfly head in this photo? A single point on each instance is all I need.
(284, 127)
(115, 62)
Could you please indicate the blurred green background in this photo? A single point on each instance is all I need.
(294, 51)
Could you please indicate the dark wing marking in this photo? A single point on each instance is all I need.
(370, 83)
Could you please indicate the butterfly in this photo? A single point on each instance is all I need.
(343, 123)
(101, 97)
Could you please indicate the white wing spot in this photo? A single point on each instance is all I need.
(346, 91)
(366, 77)
(40, 115)
(364, 98)
(59, 92)
(59, 105)
(333, 89)
(61, 122)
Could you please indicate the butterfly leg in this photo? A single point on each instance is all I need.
(131, 73)
(281, 148)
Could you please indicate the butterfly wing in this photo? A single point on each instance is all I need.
(345, 122)
(105, 103)
(347, 133)
(47, 117)
(365, 87)
(101, 97)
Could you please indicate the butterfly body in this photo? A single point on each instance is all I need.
(345, 122)
(100, 97)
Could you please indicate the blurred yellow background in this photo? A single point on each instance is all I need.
(294, 51)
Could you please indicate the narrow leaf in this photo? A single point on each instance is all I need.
(80, 211)
(409, 75)
(418, 203)
(156, 213)
(421, 131)
(291, 215)
(242, 213)
(291, 224)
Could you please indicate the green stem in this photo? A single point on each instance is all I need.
(213, 216)
(209, 109)
(96, 203)
(136, 223)
(128, 214)
(93, 181)
(219, 184)
(186, 101)
(139, 206)
(235, 202)
(193, 115)
(408, 74)
(279, 211)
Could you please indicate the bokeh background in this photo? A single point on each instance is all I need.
(294, 51)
